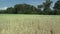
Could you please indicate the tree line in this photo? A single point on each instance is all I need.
(44, 9)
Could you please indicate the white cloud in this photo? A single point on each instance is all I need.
(3, 8)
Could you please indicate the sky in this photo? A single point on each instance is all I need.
(10, 3)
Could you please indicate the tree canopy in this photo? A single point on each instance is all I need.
(57, 7)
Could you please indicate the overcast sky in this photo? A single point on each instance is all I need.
(9, 3)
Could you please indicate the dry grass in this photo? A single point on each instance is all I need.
(29, 24)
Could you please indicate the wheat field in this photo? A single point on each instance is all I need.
(29, 24)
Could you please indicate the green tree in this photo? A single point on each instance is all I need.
(2, 11)
(46, 7)
(57, 7)
(25, 9)
(10, 10)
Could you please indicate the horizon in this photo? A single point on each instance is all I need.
(4, 4)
